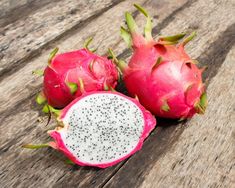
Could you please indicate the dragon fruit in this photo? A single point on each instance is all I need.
(101, 129)
(70, 74)
(163, 76)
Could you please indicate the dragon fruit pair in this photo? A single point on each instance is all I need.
(101, 128)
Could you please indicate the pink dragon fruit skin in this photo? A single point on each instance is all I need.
(162, 75)
(86, 70)
(59, 143)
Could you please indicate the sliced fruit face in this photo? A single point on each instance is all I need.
(102, 128)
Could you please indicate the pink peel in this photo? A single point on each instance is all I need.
(72, 67)
(162, 70)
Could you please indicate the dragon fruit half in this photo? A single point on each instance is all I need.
(162, 75)
(101, 129)
(70, 74)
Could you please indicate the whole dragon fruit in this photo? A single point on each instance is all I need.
(70, 74)
(101, 129)
(162, 75)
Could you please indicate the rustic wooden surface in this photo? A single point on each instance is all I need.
(196, 153)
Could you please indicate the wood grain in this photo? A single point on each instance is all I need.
(25, 38)
(11, 9)
(160, 159)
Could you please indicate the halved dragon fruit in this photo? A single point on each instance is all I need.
(101, 129)
(160, 72)
(70, 74)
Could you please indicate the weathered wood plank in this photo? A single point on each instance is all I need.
(26, 37)
(10, 10)
(21, 126)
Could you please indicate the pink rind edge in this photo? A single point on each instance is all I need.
(150, 123)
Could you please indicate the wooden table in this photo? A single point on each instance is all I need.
(196, 153)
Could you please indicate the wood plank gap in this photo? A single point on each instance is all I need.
(24, 10)
(215, 55)
(113, 173)
(19, 64)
